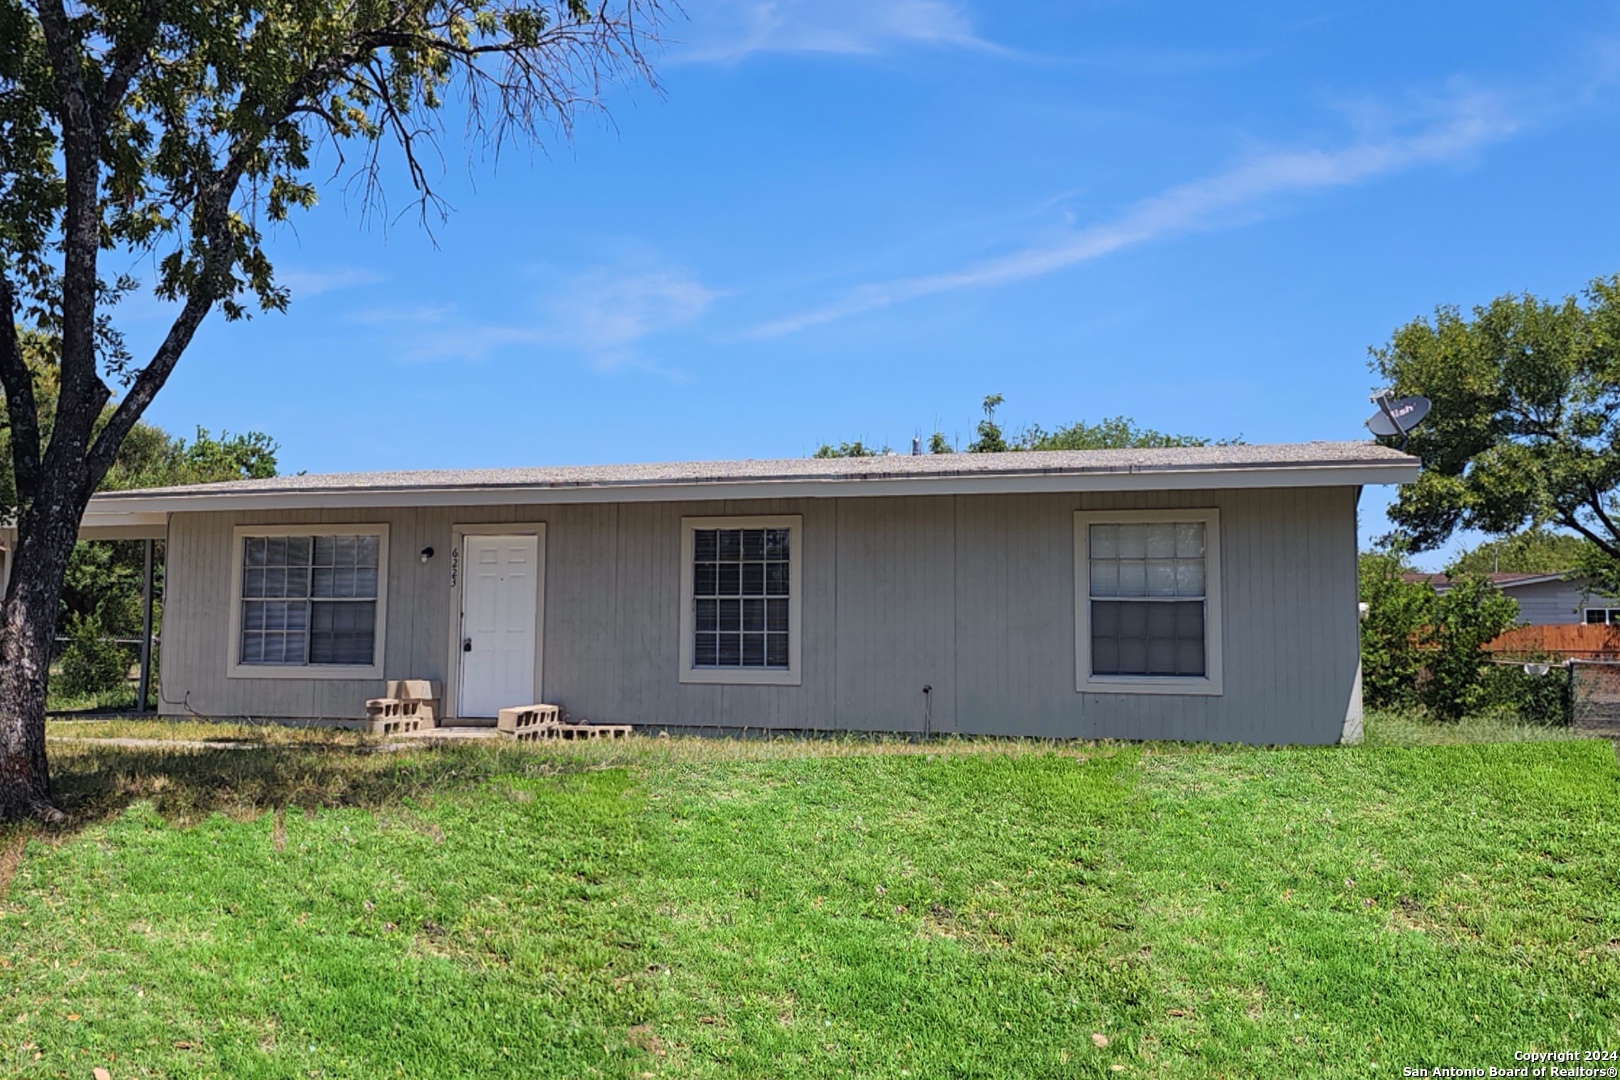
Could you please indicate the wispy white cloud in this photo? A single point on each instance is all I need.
(605, 313)
(315, 282)
(1469, 123)
(394, 316)
(608, 311)
(730, 30)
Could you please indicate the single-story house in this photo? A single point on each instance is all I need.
(1557, 598)
(1192, 593)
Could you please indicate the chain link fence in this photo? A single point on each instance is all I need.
(1595, 686)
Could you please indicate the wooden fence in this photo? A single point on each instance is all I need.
(1580, 641)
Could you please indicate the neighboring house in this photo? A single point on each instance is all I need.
(1555, 599)
(1204, 593)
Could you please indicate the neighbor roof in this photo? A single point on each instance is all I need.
(1503, 581)
(1315, 464)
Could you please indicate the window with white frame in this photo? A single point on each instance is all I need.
(309, 599)
(740, 600)
(1147, 601)
(1603, 615)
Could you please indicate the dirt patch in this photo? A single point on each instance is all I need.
(642, 1037)
(10, 858)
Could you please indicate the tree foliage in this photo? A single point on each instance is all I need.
(1534, 551)
(990, 440)
(849, 449)
(1525, 430)
(1113, 433)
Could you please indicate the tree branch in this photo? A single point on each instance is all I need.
(1608, 547)
(19, 386)
(81, 230)
(126, 59)
(1595, 501)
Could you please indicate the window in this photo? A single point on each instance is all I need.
(308, 602)
(1147, 601)
(740, 600)
(1603, 615)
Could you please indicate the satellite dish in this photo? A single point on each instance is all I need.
(1397, 416)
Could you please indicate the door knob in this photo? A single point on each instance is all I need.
(466, 644)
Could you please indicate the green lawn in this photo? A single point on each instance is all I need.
(688, 908)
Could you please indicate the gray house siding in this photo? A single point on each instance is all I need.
(1549, 603)
(971, 595)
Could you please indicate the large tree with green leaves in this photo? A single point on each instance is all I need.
(177, 132)
(1525, 430)
(1534, 551)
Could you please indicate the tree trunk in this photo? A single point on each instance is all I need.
(45, 539)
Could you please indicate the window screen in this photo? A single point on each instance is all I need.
(740, 598)
(1147, 599)
(309, 600)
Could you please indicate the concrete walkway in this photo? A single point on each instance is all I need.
(158, 744)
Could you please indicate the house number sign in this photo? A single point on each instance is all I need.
(455, 564)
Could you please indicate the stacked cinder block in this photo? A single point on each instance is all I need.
(532, 723)
(410, 705)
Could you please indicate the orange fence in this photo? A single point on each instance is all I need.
(1580, 640)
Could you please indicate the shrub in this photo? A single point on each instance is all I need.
(1421, 648)
(91, 664)
(1470, 613)
(1397, 613)
(1534, 699)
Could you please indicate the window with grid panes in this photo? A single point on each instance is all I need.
(309, 600)
(740, 585)
(1148, 599)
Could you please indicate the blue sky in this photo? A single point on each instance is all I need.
(842, 220)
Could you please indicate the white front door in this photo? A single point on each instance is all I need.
(500, 579)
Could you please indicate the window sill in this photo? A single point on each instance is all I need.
(741, 676)
(306, 671)
(1150, 684)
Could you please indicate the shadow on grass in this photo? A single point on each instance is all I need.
(95, 782)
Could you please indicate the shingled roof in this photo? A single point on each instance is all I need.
(144, 513)
(1215, 466)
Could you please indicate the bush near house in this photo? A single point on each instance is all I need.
(1422, 648)
(91, 664)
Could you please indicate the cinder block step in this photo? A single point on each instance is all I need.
(413, 689)
(391, 716)
(593, 731)
(525, 720)
(533, 723)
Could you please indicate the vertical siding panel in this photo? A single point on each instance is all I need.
(582, 586)
(1243, 577)
(814, 703)
(896, 612)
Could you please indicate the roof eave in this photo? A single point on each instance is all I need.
(1135, 478)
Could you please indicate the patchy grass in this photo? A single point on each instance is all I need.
(119, 698)
(171, 730)
(689, 907)
(1396, 727)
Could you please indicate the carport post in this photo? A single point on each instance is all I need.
(146, 631)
